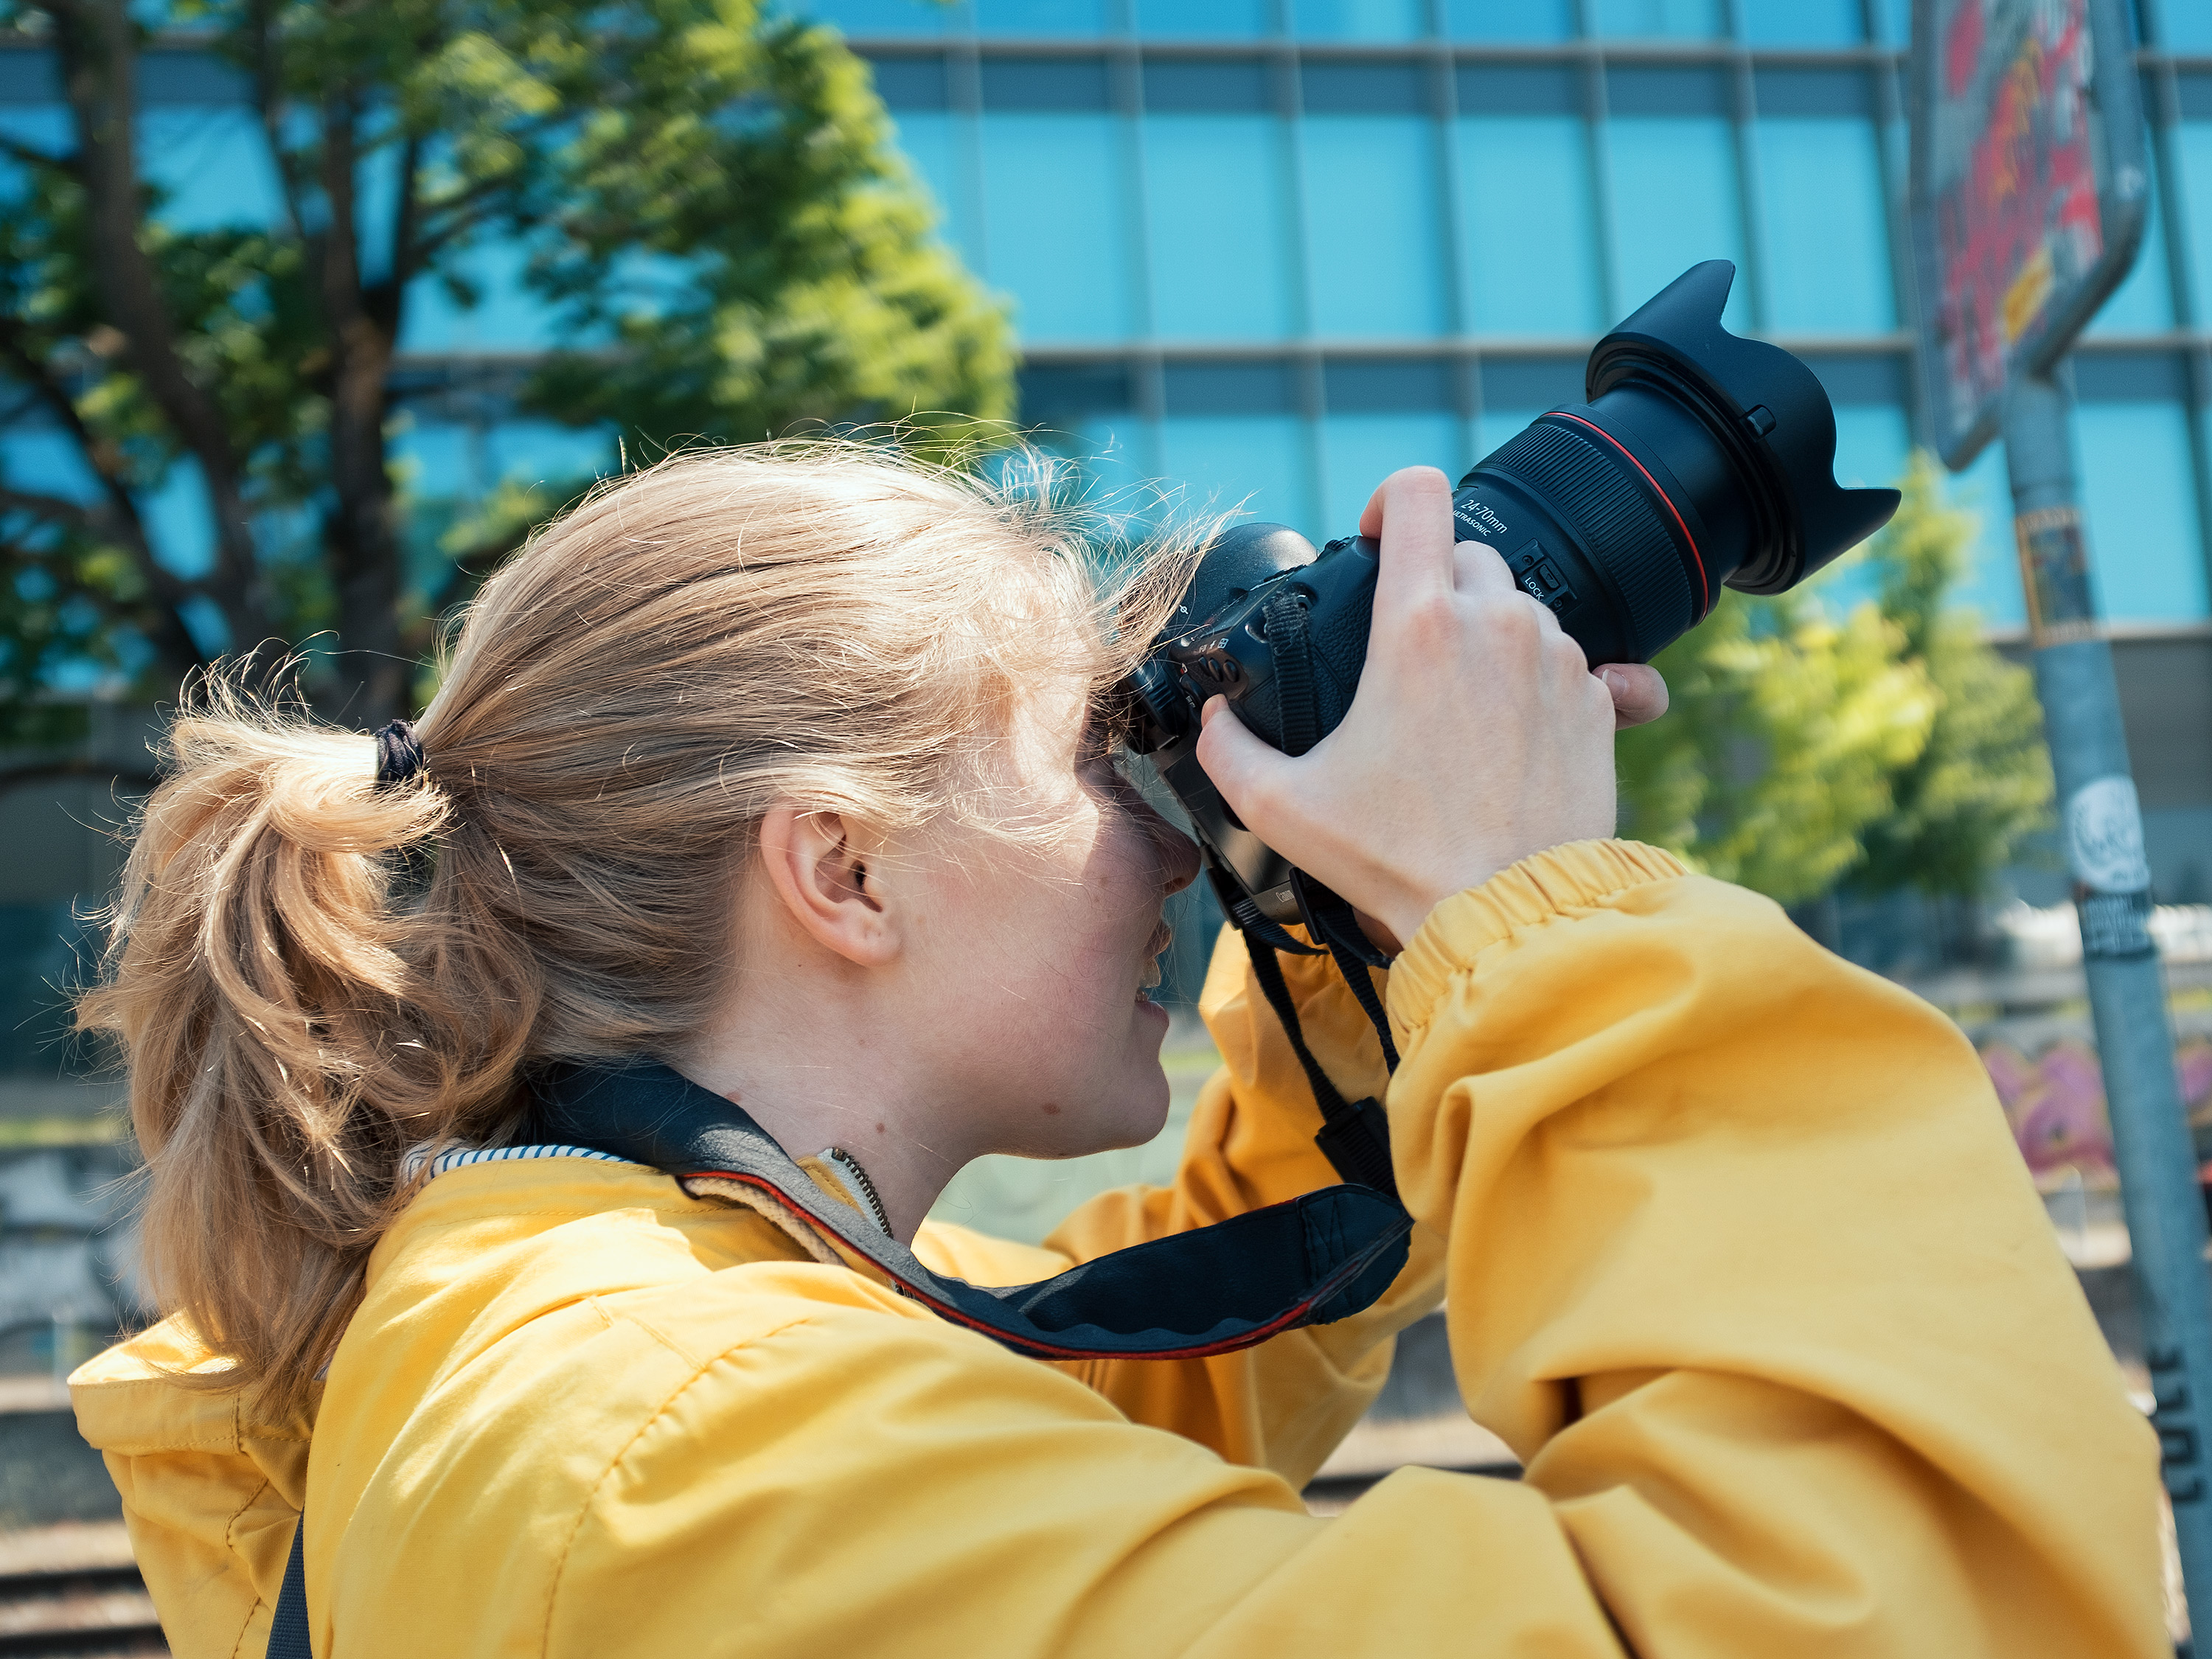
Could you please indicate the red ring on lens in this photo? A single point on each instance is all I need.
(1704, 586)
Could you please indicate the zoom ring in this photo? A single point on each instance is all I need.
(1586, 486)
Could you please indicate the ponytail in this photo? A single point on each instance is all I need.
(291, 1027)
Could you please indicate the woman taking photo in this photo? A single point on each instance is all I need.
(776, 788)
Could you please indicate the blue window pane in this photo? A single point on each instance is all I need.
(30, 77)
(1364, 449)
(1043, 17)
(545, 452)
(213, 163)
(507, 317)
(1120, 460)
(1674, 191)
(46, 460)
(1872, 439)
(1893, 24)
(2184, 26)
(1085, 410)
(448, 460)
(1218, 201)
(1057, 223)
(1516, 392)
(1257, 464)
(1680, 20)
(1361, 20)
(1992, 585)
(2137, 490)
(887, 16)
(1375, 226)
(1871, 445)
(1206, 20)
(1825, 225)
(1801, 22)
(1527, 203)
(2143, 302)
(937, 146)
(1531, 260)
(178, 522)
(2193, 143)
(43, 127)
(1510, 19)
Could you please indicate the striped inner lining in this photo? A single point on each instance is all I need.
(456, 1157)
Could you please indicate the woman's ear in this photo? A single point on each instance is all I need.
(826, 874)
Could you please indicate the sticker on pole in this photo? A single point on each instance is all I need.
(2104, 838)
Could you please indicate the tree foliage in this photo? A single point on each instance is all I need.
(1983, 782)
(1885, 748)
(705, 196)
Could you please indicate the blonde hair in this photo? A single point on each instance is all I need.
(309, 973)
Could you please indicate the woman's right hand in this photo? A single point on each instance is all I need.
(1479, 734)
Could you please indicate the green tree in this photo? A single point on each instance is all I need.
(1888, 748)
(708, 199)
(1983, 783)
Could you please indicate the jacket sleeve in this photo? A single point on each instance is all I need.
(1285, 1404)
(1742, 1262)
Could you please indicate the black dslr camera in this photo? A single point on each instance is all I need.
(1699, 459)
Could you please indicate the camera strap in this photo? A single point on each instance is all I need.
(1355, 1136)
(1215, 1289)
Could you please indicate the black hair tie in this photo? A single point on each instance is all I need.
(399, 754)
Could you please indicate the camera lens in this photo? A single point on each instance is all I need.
(1699, 459)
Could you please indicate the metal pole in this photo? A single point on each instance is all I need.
(2102, 827)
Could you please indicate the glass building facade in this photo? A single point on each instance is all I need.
(1270, 249)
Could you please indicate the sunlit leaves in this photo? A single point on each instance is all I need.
(1887, 747)
(708, 200)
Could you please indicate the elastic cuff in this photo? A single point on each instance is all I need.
(1559, 881)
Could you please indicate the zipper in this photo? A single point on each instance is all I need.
(850, 1166)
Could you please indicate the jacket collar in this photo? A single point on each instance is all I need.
(1312, 1260)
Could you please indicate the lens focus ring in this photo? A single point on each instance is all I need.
(1586, 485)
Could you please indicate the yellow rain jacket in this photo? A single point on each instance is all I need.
(1742, 1262)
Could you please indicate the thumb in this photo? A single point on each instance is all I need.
(1240, 765)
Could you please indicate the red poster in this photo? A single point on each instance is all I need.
(2013, 184)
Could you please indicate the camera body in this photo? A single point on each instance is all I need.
(1699, 459)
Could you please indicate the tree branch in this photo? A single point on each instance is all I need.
(14, 342)
(31, 156)
(455, 215)
(53, 508)
(165, 630)
(98, 49)
(405, 256)
(269, 107)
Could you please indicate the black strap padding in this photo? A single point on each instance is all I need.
(1311, 1260)
(1354, 1136)
(288, 1629)
(1289, 650)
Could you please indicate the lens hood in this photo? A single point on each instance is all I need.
(1767, 412)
